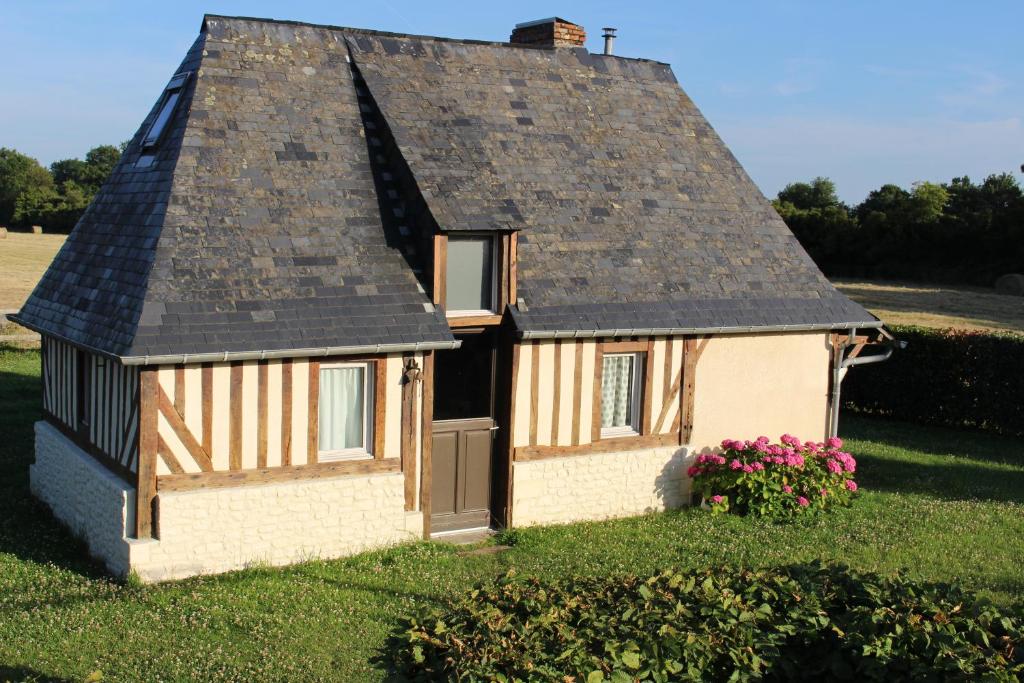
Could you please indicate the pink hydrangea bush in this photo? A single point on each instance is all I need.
(786, 479)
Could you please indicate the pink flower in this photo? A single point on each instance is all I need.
(803, 502)
(835, 442)
(834, 467)
(735, 464)
(748, 468)
(787, 489)
(719, 460)
(693, 471)
(763, 439)
(790, 440)
(757, 467)
(824, 492)
(716, 499)
(851, 485)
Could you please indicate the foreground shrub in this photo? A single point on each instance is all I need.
(807, 622)
(775, 480)
(957, 378)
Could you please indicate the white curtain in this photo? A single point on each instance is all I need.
(616, 391)
(341, 408)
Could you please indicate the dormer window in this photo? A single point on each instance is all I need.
(471, 281)
(165, 112)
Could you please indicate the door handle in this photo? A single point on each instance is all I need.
(493, 429)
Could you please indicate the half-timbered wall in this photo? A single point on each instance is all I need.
(248, 415)
(112, 396)
(555, 387)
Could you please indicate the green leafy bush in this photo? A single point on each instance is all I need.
(805, 622)
(775, 480)
(951, 377)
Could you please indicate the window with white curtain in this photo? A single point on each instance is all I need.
(620, 394)
(346, 411)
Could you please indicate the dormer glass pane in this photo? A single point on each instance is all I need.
(470, 274)
(157, 129)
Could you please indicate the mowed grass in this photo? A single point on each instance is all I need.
(945, 505)
(971, 308)
(23, 260)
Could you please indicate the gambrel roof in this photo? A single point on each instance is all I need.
(277, 215)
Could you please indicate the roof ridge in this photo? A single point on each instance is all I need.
(417, 36)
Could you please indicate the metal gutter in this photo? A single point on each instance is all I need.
(663, 331)
(225, 356)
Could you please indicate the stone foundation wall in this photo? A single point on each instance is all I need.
(209, 531)
(599, 486)
(216, 530)
(92, 501)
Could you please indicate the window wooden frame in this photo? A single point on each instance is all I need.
(642, 390)
(504, 270)
(375, 389)
(637, 381)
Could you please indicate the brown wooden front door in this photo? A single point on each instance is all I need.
(461, 490)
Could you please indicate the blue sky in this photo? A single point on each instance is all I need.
(864, 92)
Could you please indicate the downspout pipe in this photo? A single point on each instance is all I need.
(839, 372)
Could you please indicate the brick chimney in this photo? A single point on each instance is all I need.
(553, 32)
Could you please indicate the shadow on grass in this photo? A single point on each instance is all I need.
(959, 443)
(28, 530)
(953, 481)
(22, 674)
(939, 462)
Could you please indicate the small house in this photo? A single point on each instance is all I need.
(347, 288)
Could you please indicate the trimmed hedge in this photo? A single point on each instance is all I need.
(950, 377)
(804, 622)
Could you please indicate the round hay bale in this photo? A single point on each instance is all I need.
(1011, 283)
(37, 230)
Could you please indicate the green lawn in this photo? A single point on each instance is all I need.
(946, 505)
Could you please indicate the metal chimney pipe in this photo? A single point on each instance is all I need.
(609, 39)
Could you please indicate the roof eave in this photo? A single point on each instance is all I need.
(263, 354)
(677, 331)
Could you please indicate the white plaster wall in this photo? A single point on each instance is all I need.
(216, 530)
(770, 384)
(93, 502)
(599, 486)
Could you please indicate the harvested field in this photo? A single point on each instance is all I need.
(972, 308)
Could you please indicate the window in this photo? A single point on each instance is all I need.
(621, 378)
(470, 281)
(346, 411)
(168, 103)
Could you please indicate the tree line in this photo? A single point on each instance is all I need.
(54, 197)
(955, 232)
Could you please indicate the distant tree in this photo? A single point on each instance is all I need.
(820, 193)
(819, 220)
(19, 173)
(56, 210)
(91, 173)
(928, 201)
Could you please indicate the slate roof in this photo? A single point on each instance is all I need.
(288, 202)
